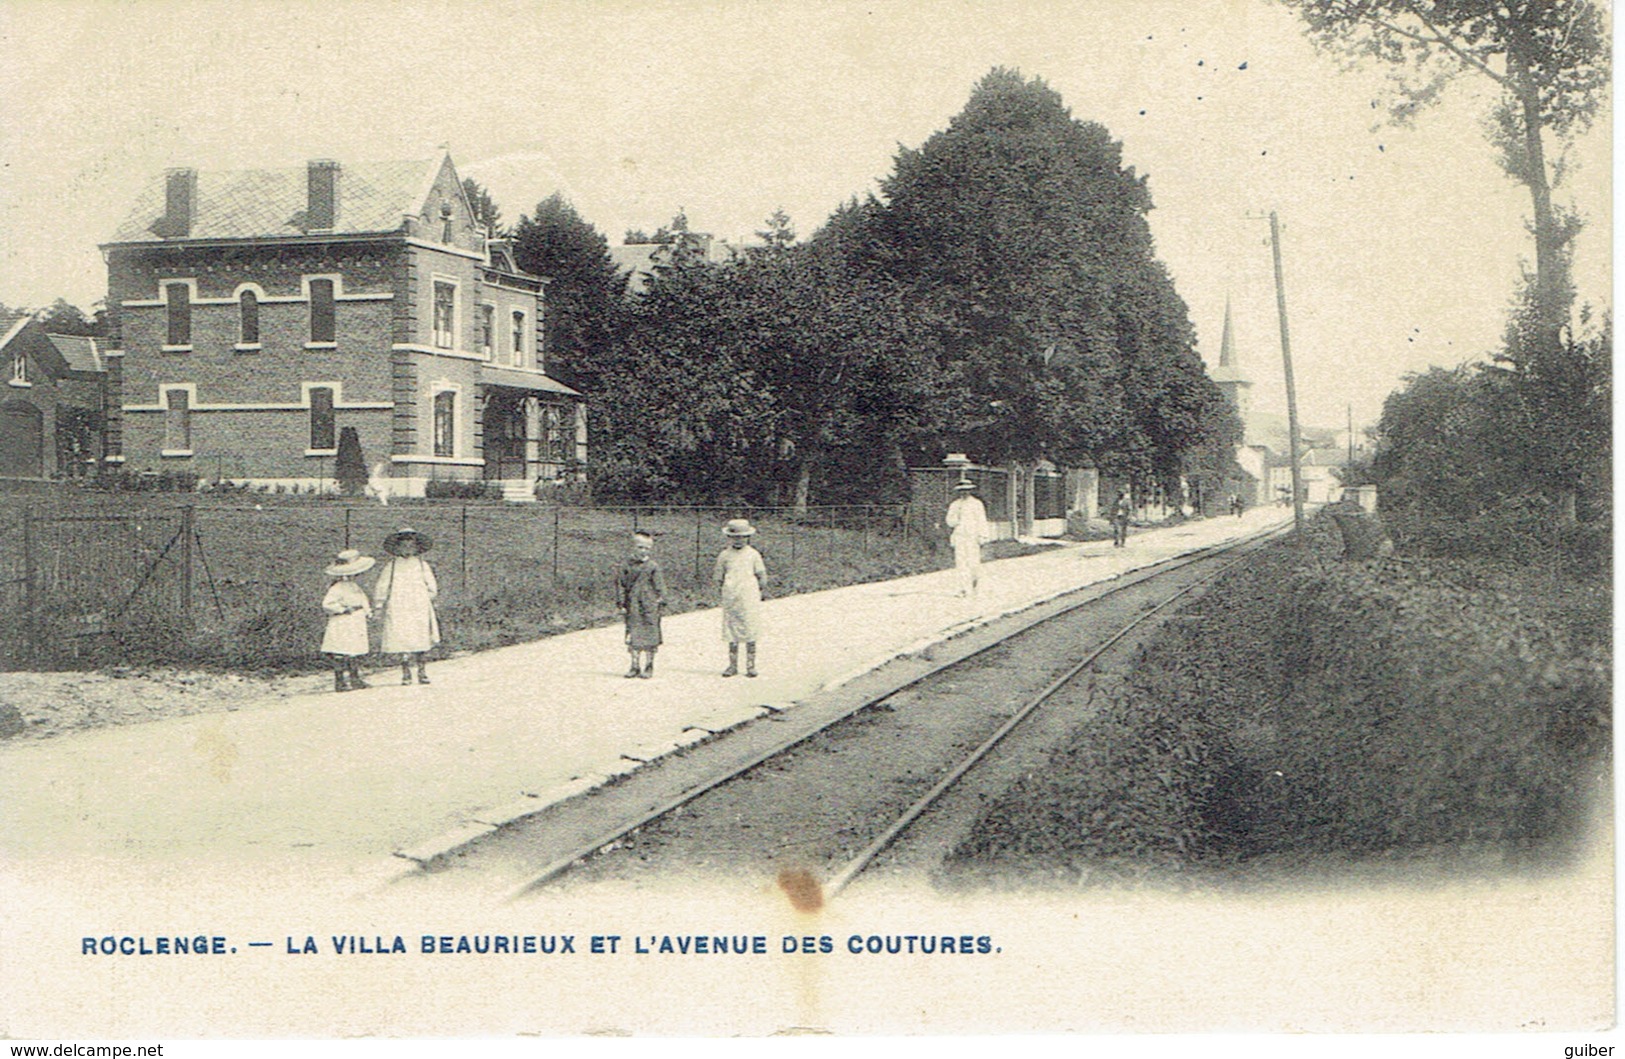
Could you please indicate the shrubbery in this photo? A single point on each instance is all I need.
(1326, 707)
(454, 490)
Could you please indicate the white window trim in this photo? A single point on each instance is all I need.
(19, 371)
(303, 404)
(435, 280)
(437, 388)
(339, 293)
(190, 390)
(453, 461)
(247, 347)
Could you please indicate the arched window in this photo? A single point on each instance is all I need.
(248, 319)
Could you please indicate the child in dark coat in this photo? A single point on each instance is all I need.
(640, 593)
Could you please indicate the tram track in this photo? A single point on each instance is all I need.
(888, 733)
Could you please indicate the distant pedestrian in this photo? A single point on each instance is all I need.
(404, 598)
(640, 594)
(345, 640)
(741, 581)
(1122, 509)
(1236, 506)
(967, 532)
(378, 482)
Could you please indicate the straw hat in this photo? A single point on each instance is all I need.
(964, 483)
(738, 527)
(350, 562)
(392, 543)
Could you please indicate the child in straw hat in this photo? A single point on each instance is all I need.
(404, 596)
(345, 640)
(741, 578)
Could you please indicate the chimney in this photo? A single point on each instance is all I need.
(323, 183)
(180, 203)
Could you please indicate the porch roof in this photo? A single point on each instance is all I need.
(520, 379)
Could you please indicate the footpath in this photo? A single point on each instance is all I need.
(352, 784)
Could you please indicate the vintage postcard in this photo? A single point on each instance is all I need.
(756, 519)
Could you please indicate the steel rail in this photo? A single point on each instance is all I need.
(866, 856)
(562, 863)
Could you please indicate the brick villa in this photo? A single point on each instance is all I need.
(258, 313)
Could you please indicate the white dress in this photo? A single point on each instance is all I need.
(967, 519)
(741, 572)
(404, 595)
(347, 611)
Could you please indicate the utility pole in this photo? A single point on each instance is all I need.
(1291, 389)
(1351, 435)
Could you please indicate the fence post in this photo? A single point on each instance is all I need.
(346, 527)
(30, 639)
(555, 545)
(188, 531)
(697, 518)
(462, 549)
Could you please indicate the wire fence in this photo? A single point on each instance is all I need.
(86, 578)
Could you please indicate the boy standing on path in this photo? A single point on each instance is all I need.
(741, 577)
(1121, 510)
(967, 529)
(640, 593)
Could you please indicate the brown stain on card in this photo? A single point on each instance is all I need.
(802, 888)
(219, 753)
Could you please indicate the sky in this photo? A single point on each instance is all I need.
(1401, 247)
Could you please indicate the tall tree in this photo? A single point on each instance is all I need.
(487, 213)
(1550, 61)
(65, 319)
(585, 292)
(1023, 237)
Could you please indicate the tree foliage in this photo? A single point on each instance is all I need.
(584, 292)
(1001, 297)
(1550, 61)
(1473, 446)
(487, 214)
(61, 318)
(1023, 237)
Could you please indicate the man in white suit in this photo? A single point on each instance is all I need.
(967, 530)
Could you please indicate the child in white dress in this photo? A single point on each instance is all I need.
(345, 640)
(404, 597)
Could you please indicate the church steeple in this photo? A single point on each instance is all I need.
(1227, 345)
(1228, 374)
